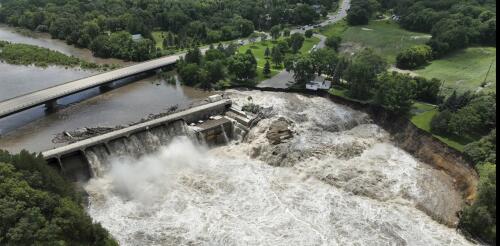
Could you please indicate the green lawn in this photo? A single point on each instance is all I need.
(158, 37)
(334, 29)
(385, 37)
(422, 114)
(259, 49)
(342, 92)
(464, 70)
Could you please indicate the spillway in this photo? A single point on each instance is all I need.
(310, 172)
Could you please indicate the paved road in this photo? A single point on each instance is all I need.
(40, 97)
(284, 79)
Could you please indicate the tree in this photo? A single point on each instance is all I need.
(193, 56)
(267, 53)
(251, 56)
(483, 150)
(361, 74)
(277, 56)
(325, 61)
(275, 32)
(480, 218)
(414, 57)
(427, 90)
(190, 74)
(286, 32)
(296, 41)
(267, 69)
(440, 122)
(215, 71)
(242, 67)
(283, 46)
(214, 54)
(289, 61)
(394, 93)
(357, 16)
(333, 42)
(309, 33)
(303, 70)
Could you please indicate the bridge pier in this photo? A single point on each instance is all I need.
(51, 105)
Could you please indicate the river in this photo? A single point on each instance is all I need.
(35, 129)
(338, 181)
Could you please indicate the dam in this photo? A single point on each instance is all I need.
(212, 123)
(307, 172)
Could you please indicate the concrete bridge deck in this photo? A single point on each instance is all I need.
(44, 96)
(190, 115)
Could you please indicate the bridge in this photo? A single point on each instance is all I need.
(50, 95)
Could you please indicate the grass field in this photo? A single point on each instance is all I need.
(259, 49)
(385, 37)
(464, 70)
(334, 29)
(158, 38)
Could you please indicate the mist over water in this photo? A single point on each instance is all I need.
(338, 181)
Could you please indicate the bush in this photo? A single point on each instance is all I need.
(427, 90)
(414, 57)
(440, 122)
(395, 93)
(483, 150)
(333, 42)
(309, 33)
(480, 218)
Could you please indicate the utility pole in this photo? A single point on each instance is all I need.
(487, 73)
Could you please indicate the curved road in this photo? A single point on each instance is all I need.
(284, 78)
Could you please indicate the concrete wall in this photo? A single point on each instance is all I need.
(71, 159)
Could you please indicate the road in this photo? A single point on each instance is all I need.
(284, 79)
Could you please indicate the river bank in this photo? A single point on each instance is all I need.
(25, 54)
(23, 36)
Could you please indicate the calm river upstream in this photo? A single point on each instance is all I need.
(34, 129)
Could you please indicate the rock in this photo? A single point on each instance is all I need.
(279, 131)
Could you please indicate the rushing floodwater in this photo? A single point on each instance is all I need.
(338, 181)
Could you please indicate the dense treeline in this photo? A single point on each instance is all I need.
(466, 114)
(453, 24)
(216, 66)
(25, 54)
(39, 207)
(105, 26)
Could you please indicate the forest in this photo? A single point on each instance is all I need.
(40, 207)
(107, 26)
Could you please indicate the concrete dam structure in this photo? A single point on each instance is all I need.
(211, 124)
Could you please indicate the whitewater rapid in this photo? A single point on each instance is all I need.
(338, 181)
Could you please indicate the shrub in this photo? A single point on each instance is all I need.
(414, 57)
